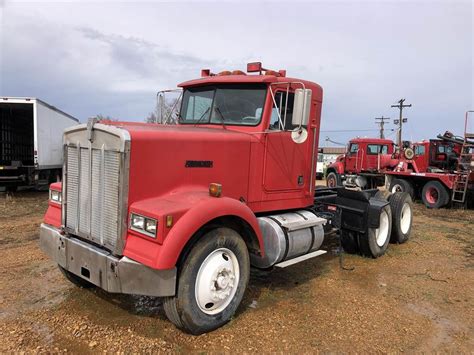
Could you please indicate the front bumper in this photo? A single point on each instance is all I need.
(99, 267)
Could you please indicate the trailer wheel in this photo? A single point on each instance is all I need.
(76, 280)
(333, 179)
(402, 216)
(374, 242)
(349, 241)
(402, 185)
(434, 195)
(211, 284)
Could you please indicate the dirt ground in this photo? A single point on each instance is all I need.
(418, 297)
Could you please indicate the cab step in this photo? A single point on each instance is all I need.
(300, 258)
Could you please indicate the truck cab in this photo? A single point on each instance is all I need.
(182, 211)
(364, 156)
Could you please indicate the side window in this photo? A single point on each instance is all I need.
(384, 149)
(420, 150)
(353, 148)
(283, 107)
(372, 149)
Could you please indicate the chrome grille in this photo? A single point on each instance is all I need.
(92, 198)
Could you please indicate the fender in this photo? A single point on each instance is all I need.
(53, 213)
(204, 209)
(337, 167)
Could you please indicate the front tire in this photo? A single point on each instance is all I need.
(333, 179)
(211, 284)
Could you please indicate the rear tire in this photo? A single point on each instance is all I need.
(349, 241)
(402, 217)
(402, 185)
(333, 179)
(76, 280)
(434, 195)
(212, 282)
(374, 242)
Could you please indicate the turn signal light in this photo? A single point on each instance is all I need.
(169, 221)
(215, 189)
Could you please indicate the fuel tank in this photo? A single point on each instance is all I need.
(289, 235)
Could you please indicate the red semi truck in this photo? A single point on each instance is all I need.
(439, 171)
(183, 211)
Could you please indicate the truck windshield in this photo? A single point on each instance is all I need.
(223, 104)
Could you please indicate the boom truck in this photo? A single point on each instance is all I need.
(439, 171)
(183, 211)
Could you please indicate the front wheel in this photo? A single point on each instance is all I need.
(333, 179)
(211, 284)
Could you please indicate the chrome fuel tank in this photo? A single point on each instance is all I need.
(289, 235)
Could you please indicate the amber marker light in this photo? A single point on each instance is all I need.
(215, 189)
(169, 221)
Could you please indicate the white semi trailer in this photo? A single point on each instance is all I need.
(31, 142)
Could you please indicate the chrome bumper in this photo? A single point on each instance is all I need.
(116, 275)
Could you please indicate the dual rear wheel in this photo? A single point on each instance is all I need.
(394, 226)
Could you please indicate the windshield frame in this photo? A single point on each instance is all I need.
(223, 122)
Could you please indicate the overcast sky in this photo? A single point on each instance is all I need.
(111, 58)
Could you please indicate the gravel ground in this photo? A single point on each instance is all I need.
(418, 297)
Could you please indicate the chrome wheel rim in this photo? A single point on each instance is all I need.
(381, 233)
(397, 188)
(405, 218)
(217, 281)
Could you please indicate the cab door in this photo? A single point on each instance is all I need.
(285, 162)
(352, 160)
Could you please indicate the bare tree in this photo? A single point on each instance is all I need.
(101, 117)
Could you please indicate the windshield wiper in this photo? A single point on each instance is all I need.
(202, 116)
(218, 110)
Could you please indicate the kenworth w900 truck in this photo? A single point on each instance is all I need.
(183, 211)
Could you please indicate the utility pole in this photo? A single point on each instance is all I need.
(381, 124)
(400, 121)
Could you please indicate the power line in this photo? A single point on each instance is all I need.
(354, 130)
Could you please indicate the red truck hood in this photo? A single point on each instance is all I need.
(167, 159)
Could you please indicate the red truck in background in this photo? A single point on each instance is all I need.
(183, 211)
(439, 171)
(363, 164)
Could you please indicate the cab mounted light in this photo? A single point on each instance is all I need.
(254, 67)
(205, 73)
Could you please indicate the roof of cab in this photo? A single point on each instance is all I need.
(372, 140)
(248, 79)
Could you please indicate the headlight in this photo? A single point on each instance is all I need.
(150, 226)
(55, 196)
(143, 225)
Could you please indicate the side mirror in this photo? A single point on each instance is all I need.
(301, 107)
